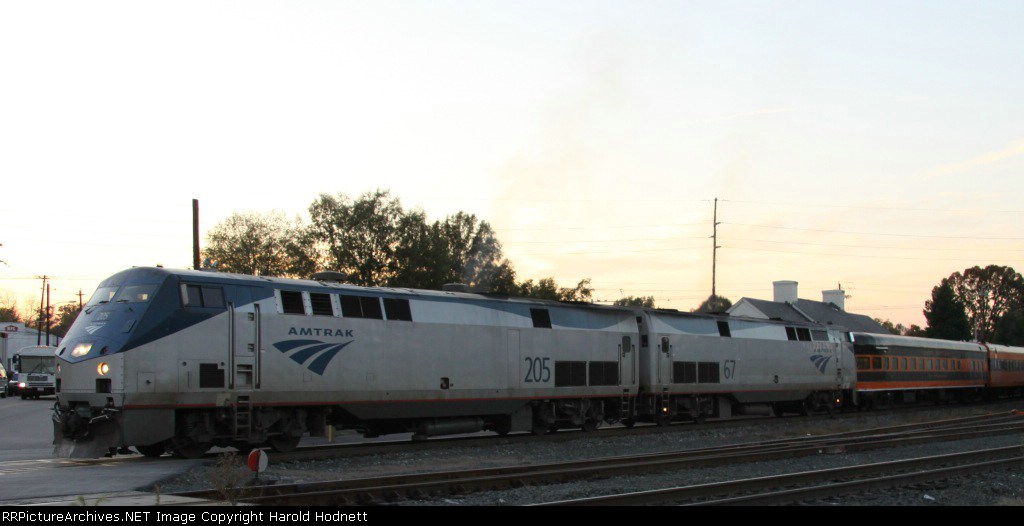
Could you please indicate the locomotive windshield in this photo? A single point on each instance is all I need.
(135, 294)
(102, 295)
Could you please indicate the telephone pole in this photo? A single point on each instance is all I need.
(714, 248)
(195, 234)
(49, 315)
(42, 301)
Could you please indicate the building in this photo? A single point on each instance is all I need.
(14, 336)
(787, 306)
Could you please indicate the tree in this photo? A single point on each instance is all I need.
(1010, 328)
(639, 301)
(255, 244)
(362, 237)
(916, 331)
(9, 308)
(899, 329)
(459, 249)
(988, 294)
(581, 292)
(714, 303)
(946, 315)
(504, 280)
(547, 289)
(63, 318)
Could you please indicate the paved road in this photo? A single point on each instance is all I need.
(29, 471)
(25, 428)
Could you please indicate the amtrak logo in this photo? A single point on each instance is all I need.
(93, 328)
(820, 361)
(316, 352)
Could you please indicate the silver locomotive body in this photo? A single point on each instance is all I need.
(698, 366)
(184, 360)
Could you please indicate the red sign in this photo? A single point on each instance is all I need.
(258, 460)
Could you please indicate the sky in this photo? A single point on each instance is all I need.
(874, 145)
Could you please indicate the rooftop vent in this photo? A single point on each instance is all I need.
(455, 287)
(330, 275)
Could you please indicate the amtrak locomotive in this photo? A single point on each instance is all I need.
(176, 360)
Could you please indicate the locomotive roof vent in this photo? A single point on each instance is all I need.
(455, 287)
(330, 275)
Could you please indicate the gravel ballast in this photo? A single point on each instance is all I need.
(993, 488)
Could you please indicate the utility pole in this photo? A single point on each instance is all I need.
(195, 234)
(79, 299)
(714, 248)
(42, 300)
(48, 315)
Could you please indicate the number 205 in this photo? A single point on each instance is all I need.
(537, 370)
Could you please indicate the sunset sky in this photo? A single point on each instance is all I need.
(877, 145)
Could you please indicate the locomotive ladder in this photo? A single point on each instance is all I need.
(243, 417)
(625, 411)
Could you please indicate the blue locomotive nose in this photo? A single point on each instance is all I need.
(119, 315)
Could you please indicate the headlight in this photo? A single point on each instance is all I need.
(21, 385)
(102, 368)
(81, 349)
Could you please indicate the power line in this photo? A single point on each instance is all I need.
(876, 207)
(679, 249)
(597, 227)
(876, 233)
(881, 247)
(870, 256)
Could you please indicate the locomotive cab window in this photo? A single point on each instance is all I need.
(202, 296)
(723, 329)
(135, 294)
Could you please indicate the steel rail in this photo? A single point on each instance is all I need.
(418, 485)
(818, 484)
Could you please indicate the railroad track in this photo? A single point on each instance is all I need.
(424, 485)
(813, 485)
(327, 451)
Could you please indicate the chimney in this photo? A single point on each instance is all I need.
(837, 297)
(785, 291)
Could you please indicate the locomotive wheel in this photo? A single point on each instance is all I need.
(590, 425)
(191, 450)
(629, 423)
(153, 450)
(284, 443)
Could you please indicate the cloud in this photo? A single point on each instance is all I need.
(734, 116)
(1013, 150)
